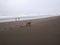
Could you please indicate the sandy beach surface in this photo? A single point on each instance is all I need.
(41, 32)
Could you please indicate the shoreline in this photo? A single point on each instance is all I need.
(13, 19)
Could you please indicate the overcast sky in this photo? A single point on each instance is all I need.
(23, 7)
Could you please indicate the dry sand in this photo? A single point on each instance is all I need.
(42, 32)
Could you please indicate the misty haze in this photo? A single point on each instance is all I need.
(29, 22)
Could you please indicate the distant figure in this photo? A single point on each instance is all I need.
(17, 18)
(28, 24)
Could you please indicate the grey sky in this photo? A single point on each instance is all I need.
(18, 7)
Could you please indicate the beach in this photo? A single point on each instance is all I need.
(44, 31)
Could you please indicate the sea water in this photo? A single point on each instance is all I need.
(18, 18)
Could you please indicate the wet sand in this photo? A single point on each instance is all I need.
(42, 32)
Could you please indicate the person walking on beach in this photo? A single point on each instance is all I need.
(18, 18)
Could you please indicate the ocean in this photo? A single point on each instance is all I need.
(22, 18)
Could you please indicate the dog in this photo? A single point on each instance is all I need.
(28, 24)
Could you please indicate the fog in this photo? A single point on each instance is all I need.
(29, 7)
